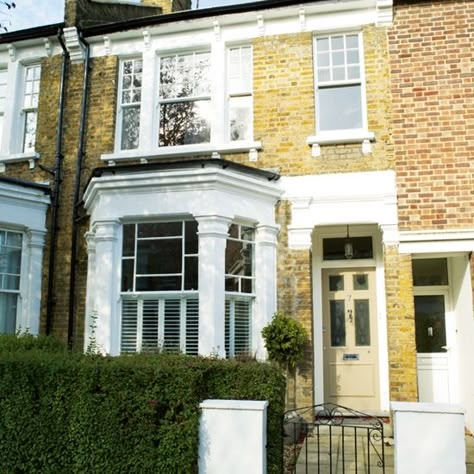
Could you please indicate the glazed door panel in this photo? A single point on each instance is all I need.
(350, 338)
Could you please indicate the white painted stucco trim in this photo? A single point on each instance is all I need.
(23, 209)
(214, 197)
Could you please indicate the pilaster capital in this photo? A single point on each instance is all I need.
(106, 231)
(213, 226)
(36, 238)
(267, 235)
(299, 238)
(390, 234)
(90, 241)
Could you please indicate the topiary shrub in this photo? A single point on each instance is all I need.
(285, 339)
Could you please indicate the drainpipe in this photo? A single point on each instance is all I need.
(76, 201)
(56, 172)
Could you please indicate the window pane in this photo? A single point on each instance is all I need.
(192, 242)
(191, 273)
(167, 283)
(14, 239)
(333, 249)
(240, 118)
(430, 271)
(185, 75)
(340, 107)
(130, 127)
(430, 324)
(127, 275)
(337, 42)
(322, 59)
(10, 260)
(353, 57)
(159, 256)
(246, 285)
(160, 229)
(128, 240)
(239, 74)
(352, 41)
(361, 282)
(336, 283)
(338, 323)
(185, 123)
(231, 284)
(29, 135)
(322, 44)
(362, 322)
(324, 75)
(8, 309)
(338, 58)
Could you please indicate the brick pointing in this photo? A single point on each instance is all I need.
(433, 113)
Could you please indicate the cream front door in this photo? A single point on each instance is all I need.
(350, 338)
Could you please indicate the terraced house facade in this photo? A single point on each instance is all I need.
(172, 177)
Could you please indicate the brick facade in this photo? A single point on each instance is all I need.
(433, 112)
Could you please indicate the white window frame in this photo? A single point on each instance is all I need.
(17, 291)
(238, 94)
(121, 106)
(341, 136)
(13, 135)
(220, 141)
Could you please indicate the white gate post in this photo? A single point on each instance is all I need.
(233, 437)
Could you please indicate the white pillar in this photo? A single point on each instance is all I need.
(265, 285)
(233, 437)
(107, 286)
(90, 294)
(213, 232)
(32, 295)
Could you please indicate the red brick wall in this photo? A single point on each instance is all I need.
(432, 67)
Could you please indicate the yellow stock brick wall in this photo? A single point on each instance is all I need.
(400, 325)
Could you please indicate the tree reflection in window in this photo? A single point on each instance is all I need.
(239, 259)
(185, 104)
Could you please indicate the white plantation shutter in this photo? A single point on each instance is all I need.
(192, 326)
(238, 317)
(172, 326)
(242, 311)
(160, 323)
(129, 326)
(150, 327)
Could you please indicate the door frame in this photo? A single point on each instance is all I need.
(318, 265)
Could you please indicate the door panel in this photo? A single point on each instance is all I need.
(350, 338)
(431, 348)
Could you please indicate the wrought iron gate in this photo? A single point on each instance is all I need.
(330, 439)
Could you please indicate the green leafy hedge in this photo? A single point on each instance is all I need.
(66, 412)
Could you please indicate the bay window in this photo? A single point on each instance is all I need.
(203, 103)
(10, 272)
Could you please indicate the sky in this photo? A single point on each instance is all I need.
(31, 13)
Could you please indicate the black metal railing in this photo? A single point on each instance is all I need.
(328, 438)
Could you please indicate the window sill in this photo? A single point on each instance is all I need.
(341, 137)
(185, 150)
(31, 157)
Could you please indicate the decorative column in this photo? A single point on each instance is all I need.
(265, 284)
(32, 295)
(90, 316)
(106, 286)
(213, 232)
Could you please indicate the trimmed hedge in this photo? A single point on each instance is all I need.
(68, 412)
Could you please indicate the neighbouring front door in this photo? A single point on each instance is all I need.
(432, 348)
(350, 338)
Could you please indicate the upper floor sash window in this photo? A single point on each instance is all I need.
(130, 96)
(339, 82)
(30, 106)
